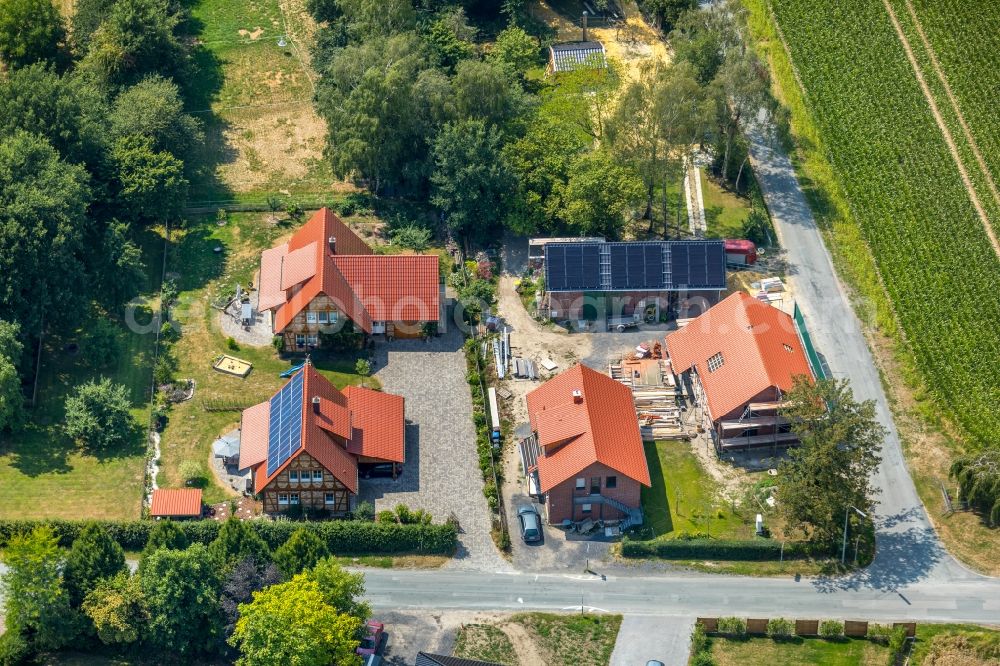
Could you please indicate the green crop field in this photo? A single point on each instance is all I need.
(904, 186)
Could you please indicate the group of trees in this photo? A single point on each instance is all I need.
(232, 597)
(417, 107)
(93, 138)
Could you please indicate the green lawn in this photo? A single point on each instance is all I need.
(203, 276)
(724, 211)
(683, 497)
(42, 472)
(798, 652)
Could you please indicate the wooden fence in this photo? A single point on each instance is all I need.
(852, 628)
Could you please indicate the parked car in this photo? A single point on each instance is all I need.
(373, 660)
(654, 662)
(372, 470)
(530, 522)
(373, 638)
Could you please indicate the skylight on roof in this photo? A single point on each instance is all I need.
(715, 362)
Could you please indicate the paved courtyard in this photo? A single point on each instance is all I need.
(441, 474)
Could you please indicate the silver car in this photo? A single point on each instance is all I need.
(531, 523)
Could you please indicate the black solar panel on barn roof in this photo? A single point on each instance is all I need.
(635, 266)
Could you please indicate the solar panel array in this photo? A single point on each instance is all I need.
(567, 57)
(285, 435)
(698, 264)
(637, 266)
(572, 266)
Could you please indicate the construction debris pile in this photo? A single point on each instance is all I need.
(648, 375)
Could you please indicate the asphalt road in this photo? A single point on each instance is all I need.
(908, 548)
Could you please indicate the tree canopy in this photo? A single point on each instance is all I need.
(93, 557)
(98, 415)
(238, 541)
(302, 551)
(11, 397)
(831, 469)
(30, 31)
(118, 610)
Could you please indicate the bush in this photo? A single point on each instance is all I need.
(191, 471)
(697, 548)
(699, 639)
(779, 627)
(897, 641)
(386, 517)
(702, 659)
(831, 628)
(412, 237)
(364, 511)
(879, 633)
(339, 536)
(734, 626)
(231, 344)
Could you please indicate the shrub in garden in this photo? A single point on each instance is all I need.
(735, 626)
(879, 633)
(779, 627)
(386, 517)
(364, 511)
(191, 471)
(831, 628)
(231, 344)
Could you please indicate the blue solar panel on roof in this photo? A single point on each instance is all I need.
(649, 265)
(285, 432)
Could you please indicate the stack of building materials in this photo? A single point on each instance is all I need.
(653, 391)
(524, 368)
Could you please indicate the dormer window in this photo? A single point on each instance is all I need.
(788, 348)
(715, 362)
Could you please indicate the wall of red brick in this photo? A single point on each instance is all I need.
(559, 500)
(569, 304)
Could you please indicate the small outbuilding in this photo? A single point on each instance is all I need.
(575, 55)
(175, 503)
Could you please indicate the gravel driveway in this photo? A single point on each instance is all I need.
(441, 474)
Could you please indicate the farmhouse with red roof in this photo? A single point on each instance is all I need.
(325, 276)
(585, 453)
(740, 357)
(303, 445)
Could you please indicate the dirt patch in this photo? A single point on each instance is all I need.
(274, 145)
(252, 35)
(524, 645)
(301, 27)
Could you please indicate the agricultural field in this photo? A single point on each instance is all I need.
(914, 205)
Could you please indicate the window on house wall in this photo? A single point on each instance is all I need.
(586, 508)
(323, 317)
(293, 476)
(581, 483)
(293, 498)
(333, 316)
(715, 362)
(595, 485)
(318, 476)
(312, 340)
(300, 341)
(328, 498)
(310, 317)
(611, 482)
(282, 498)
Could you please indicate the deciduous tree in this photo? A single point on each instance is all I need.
(601, 196)
(165, 534)
(97, 415)
(293, 623)
(153, 109)
(117, 607)
(182, 590)
(36, 605)
(515, 50)
(30, 31)
(470, 178)
(11, 397)
(342, 589)
(831, 469)
(239, 585)
(151, 183)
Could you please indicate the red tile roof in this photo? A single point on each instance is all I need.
(176, 502)
(350, 423)
(759, 348)
(378, 424)
(602, 427)
(401, 287)
(363, 285)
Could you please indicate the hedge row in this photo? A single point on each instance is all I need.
(340, 536)
(716, 549)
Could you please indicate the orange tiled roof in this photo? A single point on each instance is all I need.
(602, 427)
(759, 346)
(176, 502)
(401, 287)
(364, 286)
(350, 423)
(378, 424)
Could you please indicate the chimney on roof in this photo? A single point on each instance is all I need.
(584, 23)
(333, 244)
(315, 404)
(577, 396)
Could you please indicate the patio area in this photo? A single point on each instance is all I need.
(225, 463)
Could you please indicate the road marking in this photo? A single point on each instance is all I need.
(594, 609)
(520, 600)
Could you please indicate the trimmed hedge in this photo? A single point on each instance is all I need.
(715, 549)
(342, 537)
